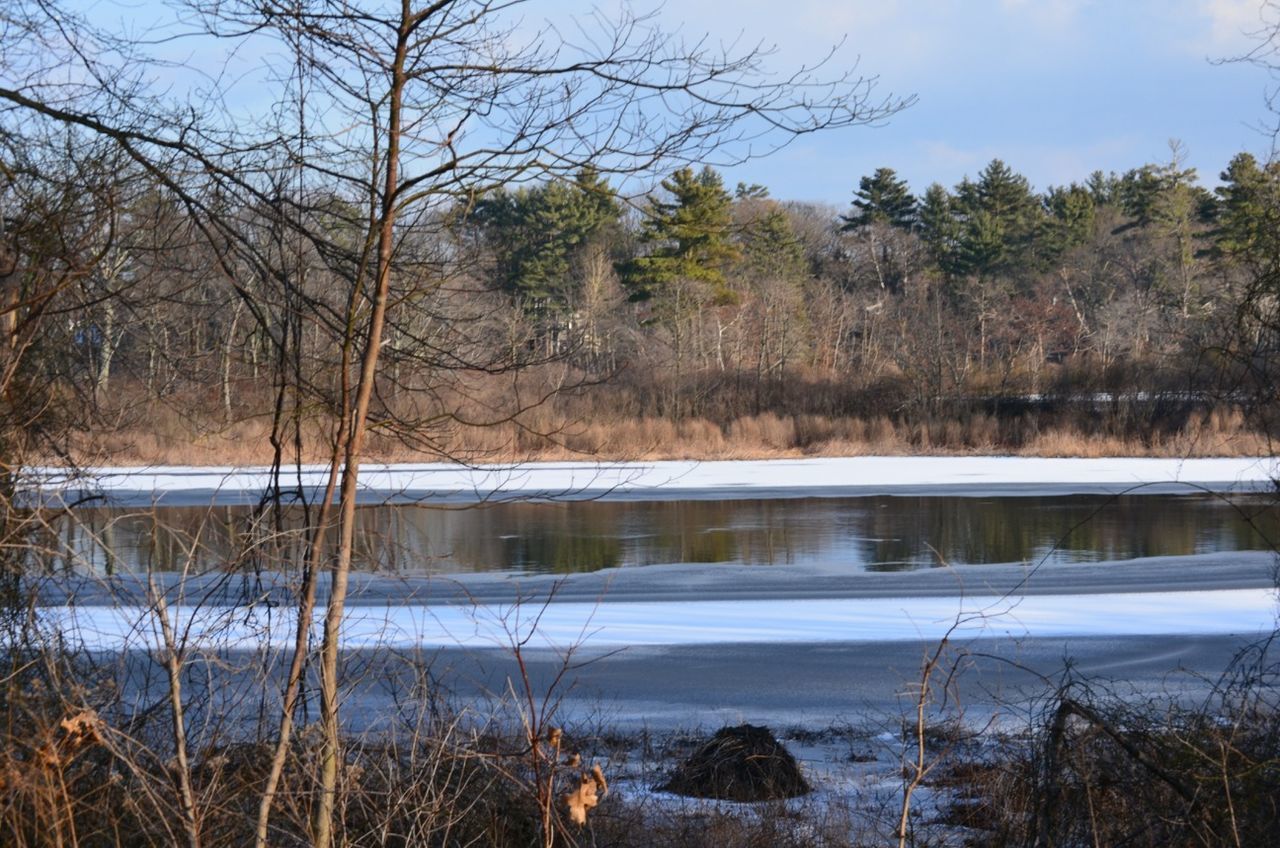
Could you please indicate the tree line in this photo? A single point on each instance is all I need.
(693, 300)
(988, 289)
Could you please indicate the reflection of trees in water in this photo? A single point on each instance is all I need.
(590, 535)
(1080, 528)
(880, 533)
(100, 541)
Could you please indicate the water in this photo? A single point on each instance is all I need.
(860, 534)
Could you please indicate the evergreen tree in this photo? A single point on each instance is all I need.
(983, 245)
(1006, 196)
(534, 234)
(690, 237)
(1102, 188)
(752, 191)
(1247, 208)
(966, 200)
(1072, 211)
(1166, 200)
(1001, 217)
(940, 227)
(1139, 192)
(882, 198)
(883, 203)
(771, 249)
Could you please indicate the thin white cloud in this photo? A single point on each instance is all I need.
(1232, 25)
(883, 29)
(989, 75)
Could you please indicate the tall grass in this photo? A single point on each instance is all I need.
(171, 440)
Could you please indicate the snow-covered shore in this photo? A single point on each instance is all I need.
(825, 477)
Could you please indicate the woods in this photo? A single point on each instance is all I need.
(558, 306)
(571, 280)
(307, 256)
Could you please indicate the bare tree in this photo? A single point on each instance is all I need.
(381, 122)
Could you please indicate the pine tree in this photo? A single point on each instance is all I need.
(534, 234)
(771, 249)
(690, 236)
(1102, 188)
(1166, 199)
(1001, 217)
(1247, 208)
(983, 248)
(1072, 211)
(883, 203)
(773, 267)
(882, 198)
(940, 227)
(1139, 193)
(1004, 194)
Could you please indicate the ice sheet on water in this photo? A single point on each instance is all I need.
(639, 623)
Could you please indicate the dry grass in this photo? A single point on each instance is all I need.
(1115, 773)
(169, 439)
(555, 413)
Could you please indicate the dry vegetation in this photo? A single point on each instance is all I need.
(596, 423)
(1090, 768)
(72, 774)
(1096, 768)
(181, 286)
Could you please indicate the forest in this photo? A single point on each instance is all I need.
(559, 316)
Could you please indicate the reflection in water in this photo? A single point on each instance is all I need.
(868, 533)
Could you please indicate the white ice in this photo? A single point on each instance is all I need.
(632, 623)
(676, 480)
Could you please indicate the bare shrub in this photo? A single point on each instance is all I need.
(1100, 769)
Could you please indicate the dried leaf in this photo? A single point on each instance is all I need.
(581, 800)
(597, 774)
(591, 787)
(82, 728)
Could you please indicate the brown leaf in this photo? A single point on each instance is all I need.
(591, 787)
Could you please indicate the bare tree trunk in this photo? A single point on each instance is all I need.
(106, 349)
(10, 293)
(226, 361)
(173, 664)
(302, 635)
(322, 827)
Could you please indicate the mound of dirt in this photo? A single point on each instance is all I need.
(743, 763)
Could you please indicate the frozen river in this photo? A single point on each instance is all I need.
(759, 589)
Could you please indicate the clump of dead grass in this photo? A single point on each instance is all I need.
(743, 763)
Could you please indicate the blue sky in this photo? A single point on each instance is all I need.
(1057, 88)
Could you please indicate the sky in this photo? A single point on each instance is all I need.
(1056, 88)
